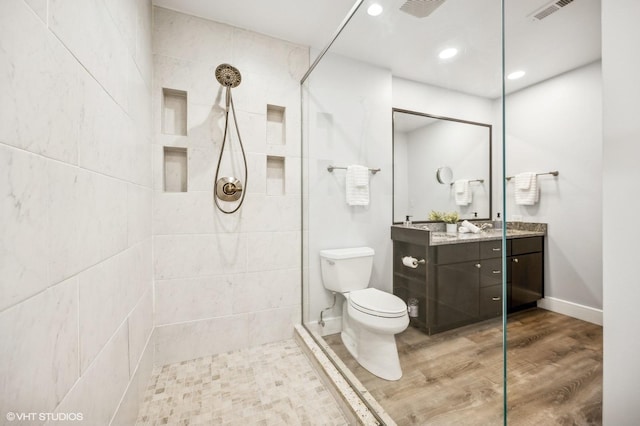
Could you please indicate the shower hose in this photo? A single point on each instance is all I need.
(229, 103)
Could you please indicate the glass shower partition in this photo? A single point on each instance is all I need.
(376, 64)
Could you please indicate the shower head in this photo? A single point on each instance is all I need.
(228, 75)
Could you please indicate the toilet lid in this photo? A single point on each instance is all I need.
(375, 302)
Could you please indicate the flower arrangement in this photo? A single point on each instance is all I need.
(446, 217)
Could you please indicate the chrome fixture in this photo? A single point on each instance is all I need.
(321, 322)
(332, 168)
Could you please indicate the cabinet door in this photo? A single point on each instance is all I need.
(456, 294)
(526, 278)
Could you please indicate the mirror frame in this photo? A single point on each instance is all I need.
(439, 117)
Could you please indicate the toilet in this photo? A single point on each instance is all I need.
(370, 317)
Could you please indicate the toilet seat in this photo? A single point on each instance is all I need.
(372, 301)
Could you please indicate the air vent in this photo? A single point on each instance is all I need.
(549, 9)
(421, 8)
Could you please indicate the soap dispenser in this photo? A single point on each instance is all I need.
(497, 224)
(407, 221)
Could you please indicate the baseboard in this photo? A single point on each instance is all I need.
(575, 310)
(331, 326)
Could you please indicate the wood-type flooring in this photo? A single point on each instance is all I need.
(554, 373)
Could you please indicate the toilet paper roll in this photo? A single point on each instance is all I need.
(410, 262)
(470, 226)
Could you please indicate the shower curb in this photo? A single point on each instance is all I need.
(349, 401)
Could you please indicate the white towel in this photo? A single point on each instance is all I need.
(357, 187)
(464, 196)
(523, 180)
(360, 175)
(526, 190)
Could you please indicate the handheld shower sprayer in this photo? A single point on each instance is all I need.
(229, 188)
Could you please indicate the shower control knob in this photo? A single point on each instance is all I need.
(228, 189)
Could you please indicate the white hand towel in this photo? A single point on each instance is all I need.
(523, 180)
(530, 195)
(470, 226)
(360, 175)
(464, 196)
(357, 195)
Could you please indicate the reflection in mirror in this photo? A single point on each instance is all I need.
(422, 143)
(444, 174)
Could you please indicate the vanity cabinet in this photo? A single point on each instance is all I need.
(526, 275)
(459, 284)
(491, 278)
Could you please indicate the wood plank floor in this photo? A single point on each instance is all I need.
(554, 373)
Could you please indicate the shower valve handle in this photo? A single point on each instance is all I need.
(228, 189)
(231, 188)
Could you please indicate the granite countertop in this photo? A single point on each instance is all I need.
(438, 237)
(441, 238)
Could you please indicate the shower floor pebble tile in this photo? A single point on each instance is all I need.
(272, 384)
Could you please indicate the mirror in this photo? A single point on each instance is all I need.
(444, 175)
(440, 163)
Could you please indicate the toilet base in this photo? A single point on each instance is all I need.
(377, 353)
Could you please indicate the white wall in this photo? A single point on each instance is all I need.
(349, 122)
(557, 125)
(75, 240)
(433, 100)
(621, 174)
(224, 282)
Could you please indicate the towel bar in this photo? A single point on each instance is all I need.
(332, 168)
(474, 180)
(554, 173)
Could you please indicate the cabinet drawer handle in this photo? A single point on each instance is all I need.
(515, 260)
(478, 265)
(496, 272)
(496, 249)
(495, 299)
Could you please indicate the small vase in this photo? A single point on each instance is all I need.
(452, 228)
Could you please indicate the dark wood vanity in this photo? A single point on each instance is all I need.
(460, 281)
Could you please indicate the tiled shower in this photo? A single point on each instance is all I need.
(114, 258)
(224, 282)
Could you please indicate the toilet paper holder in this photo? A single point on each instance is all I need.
(415, 261)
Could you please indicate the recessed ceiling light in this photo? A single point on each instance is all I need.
(516, 75)
(374, 10)
(448, 53)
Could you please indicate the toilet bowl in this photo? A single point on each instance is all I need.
(370, 317)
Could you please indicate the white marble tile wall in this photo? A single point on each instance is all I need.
(75, 242)
(225, 282)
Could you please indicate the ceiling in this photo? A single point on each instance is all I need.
(407, 45)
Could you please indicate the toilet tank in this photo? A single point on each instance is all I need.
(346, 269)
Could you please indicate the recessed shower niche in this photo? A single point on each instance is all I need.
(174, 112)
(276, 134)
(275, 175)
(175, 169)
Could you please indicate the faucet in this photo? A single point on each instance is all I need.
(486, 226)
